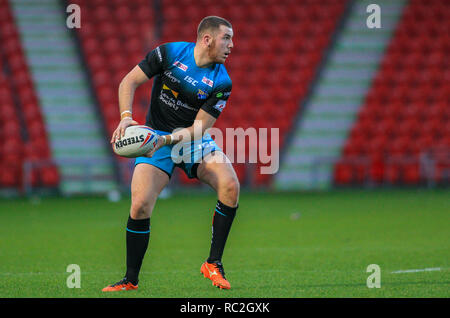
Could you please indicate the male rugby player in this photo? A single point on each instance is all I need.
(191, 84)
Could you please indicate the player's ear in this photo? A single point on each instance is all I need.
(207, 39)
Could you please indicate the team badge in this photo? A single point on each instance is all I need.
(201, 94)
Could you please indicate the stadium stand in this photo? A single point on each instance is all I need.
(270, 74)
(112, 44)
(74, 126)
(21, 122)
(400, 136)
(114, 37)
(278, 48)
(329, 111)
(404, 120)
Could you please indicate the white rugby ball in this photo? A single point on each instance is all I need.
(137, 141)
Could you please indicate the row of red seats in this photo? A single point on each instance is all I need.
(251, 10)
(405, 115)
(401, 172)
(397, 170)
(21, 121)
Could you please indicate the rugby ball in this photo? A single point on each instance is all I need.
(137, 141)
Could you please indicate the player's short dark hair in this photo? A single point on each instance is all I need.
(211, 23)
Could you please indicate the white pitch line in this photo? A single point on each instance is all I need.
(431, 269)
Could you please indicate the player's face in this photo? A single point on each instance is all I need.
(222, 44)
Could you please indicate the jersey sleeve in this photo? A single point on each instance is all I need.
(154, 61)
(217, 101)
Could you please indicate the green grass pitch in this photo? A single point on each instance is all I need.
(282, 245)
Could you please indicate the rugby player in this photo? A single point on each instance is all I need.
(190, 85)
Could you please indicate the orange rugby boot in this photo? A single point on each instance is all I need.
(215, 272)
(123, 284)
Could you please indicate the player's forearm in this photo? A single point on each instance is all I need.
(127, 88)
(126, 96)
(194, 132)
(185, 134)
(203, 121)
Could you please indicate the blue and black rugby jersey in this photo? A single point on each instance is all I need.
(181, 88)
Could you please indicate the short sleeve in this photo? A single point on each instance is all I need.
(217, 101)
(154, 61)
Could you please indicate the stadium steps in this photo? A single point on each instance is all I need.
(336, 98)
(77, 142)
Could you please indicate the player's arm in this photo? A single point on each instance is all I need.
(206, 116)
(151, 65)
(127, 89)
(205, 119)
(202, 122)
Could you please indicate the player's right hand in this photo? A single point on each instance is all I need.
(120, 130)
(160, 143)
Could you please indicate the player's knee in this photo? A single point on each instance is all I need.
(140, 209)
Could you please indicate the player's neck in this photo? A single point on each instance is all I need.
(201, 57)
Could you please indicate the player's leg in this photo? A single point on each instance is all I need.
(217, 171)
(147, 183)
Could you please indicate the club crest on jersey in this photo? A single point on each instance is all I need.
(207, 81)
(180, 65)
(201, 94)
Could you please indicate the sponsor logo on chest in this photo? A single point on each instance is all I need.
(190, 80)
(181, 66)
(207, 81)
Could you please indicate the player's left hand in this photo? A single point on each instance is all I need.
(160, 143)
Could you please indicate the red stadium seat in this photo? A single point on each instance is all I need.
(10, 176)
(49, 176)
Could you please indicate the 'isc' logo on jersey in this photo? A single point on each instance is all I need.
(190, 80)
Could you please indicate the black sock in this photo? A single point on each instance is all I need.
(137, 236)
(222, 221)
